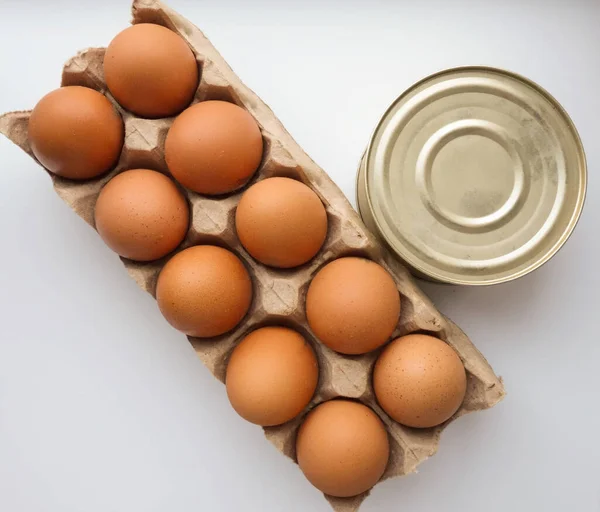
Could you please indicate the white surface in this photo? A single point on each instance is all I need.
(104, 408)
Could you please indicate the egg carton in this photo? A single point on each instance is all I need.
(279, 295)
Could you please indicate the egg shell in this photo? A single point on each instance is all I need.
(204, 291)
(419, 381)
(151, 71)
(213, 147)
(353, 305)
(342, 448)
(281, 222)
(271, 376)
(76, 133)
(141, 215)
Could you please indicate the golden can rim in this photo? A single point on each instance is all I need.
(366, 210)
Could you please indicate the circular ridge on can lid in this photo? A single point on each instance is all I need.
(473, 176)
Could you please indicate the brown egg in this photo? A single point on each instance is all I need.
(271, 376)
(213, 147)
(342, 448)
(141, 215)
(204, 291)
(151, 71)
(76, 133)
(353, 305)
(419, 381)
(281, 222)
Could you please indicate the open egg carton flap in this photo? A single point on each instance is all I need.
(279, 295)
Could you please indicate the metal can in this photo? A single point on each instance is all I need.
(473, 176)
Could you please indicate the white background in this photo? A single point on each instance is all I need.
(104, 408)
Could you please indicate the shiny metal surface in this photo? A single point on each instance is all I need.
(474, 176)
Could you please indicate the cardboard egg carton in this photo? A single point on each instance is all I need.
(279, 295)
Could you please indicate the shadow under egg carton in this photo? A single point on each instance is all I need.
(279, 295)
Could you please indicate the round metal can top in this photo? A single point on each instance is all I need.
(473, 176)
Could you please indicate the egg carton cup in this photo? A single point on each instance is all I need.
(279, 295)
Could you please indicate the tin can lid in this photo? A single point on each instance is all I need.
(473, 176)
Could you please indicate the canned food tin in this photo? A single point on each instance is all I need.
(473, 176)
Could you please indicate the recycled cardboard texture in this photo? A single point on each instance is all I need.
(278, 294)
